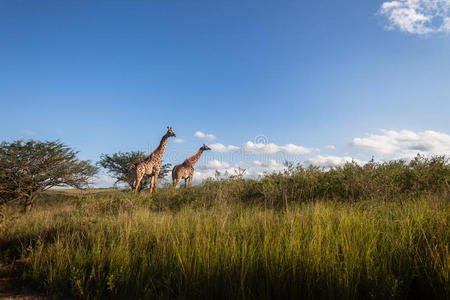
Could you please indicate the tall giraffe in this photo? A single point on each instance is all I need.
(186, 169)
(152, 164)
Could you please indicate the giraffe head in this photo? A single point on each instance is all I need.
(205, 148)
(170, 132)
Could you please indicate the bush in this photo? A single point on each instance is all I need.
(352, 182)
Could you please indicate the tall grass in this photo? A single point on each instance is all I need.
(114, 246)
(374, 231)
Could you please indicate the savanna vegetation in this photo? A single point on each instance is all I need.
(119, 165)
(369, 232)
(28, 168)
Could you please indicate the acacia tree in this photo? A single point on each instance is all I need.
(120, 166)
(31, 167)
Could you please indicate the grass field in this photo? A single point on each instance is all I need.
(234, 239)
(115, 244)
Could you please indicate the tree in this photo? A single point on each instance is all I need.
(31, 167)
(120, 166)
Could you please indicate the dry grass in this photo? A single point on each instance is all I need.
(122, 245)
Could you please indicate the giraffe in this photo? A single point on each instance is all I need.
(186, 169)
(152, 164)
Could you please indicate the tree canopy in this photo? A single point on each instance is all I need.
(28, 168)
(120, 166)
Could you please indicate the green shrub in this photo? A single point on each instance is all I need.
(352, 182)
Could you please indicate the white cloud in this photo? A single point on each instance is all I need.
(203, 135)
(201, 174)
(215, 164)
(271, 164)
(252, 170)
(332, 147)
(261, 168)
(28, 132)
(405, 143)
(270, 148)
(178, 140)
(331, 161)
(105, 181)
(417, 16)
(257, 163)
(222, 148)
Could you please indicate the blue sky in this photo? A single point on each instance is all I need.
(366, 77)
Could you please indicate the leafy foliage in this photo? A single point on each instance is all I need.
(388, 181)
(120, 166)
(28, 168)
(352, 182)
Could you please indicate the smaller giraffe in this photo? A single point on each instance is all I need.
(186, 169)
(152, 164)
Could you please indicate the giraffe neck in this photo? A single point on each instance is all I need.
(193, 159)
(159, 151)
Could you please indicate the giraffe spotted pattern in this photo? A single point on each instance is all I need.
(186, 169)
(152, 164)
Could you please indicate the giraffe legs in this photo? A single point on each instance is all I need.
(151, 184)
(176, 181)
(137, 182)
(154, 184)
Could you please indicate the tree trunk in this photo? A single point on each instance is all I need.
(27, 206)
(28, 203)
